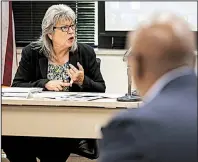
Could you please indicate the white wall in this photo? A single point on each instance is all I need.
(114, 71)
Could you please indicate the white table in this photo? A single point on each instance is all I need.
(52, 118)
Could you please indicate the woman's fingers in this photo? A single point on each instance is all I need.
(59, 87)
(69, 73)
(72, 72)
(66, 84)
(80, 67)
(73, 68)
(71, 82)
(56, 89)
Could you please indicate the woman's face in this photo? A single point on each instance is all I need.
(63, 36)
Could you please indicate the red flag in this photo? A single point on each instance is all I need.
(9, 60)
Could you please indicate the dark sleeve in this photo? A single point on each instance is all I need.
(23, 76)
(93, 81)
(121, 142)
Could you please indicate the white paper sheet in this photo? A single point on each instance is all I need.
(20, 90)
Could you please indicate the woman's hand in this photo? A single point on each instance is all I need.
(77, 76)
(56, 85)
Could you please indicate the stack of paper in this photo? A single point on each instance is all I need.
(80, 97)
(70, 96)
(19, 92)
(53, 95)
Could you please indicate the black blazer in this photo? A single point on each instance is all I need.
(32, 70)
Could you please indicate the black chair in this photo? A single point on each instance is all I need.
(98, 60)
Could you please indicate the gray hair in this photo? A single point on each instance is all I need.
(52, 16)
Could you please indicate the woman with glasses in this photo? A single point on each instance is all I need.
(56, 62)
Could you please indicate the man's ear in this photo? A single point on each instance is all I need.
(50, 36)
(139, 62)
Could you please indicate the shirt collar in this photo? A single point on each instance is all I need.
(163, 81)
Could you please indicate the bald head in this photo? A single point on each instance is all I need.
(166, 39)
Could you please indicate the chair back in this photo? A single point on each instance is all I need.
(98, 60)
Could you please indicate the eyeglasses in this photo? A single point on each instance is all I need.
(127, 53)
(65, 28)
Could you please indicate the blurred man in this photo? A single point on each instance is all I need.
(164, 129)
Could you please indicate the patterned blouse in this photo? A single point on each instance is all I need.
(58, 72)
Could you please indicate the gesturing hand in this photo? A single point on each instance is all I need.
(76, 75)
(56, 85)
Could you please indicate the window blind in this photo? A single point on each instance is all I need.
(28, 17)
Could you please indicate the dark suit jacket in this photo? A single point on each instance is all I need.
(164, 130)
(32, 70)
